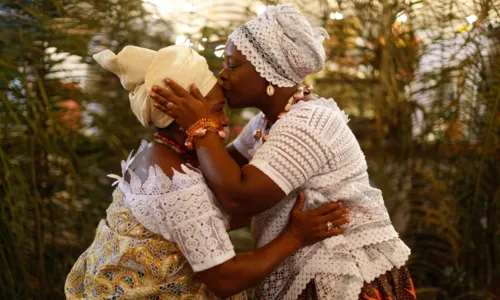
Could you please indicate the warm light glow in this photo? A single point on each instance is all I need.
(200, 47)
(182, 40)
(402, 17)
(163, 6)
(261, 9)
(471, 19)
(219, 50)
(204, 39)
(336, 15)
(188, 6)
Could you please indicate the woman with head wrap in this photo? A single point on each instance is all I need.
(298, 142)
(164, 236)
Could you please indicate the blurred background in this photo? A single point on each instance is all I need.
(420, 80)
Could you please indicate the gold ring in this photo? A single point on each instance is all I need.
(329, 226)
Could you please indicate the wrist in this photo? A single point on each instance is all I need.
(292, 239)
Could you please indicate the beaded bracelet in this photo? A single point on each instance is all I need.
(201, 132)
(198, 123)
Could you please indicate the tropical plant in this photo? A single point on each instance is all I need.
(420, 80)
(60, 133)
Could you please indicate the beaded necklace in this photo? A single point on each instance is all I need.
(296, 97)
(179, 149)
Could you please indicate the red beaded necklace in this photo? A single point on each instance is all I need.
(177, 148)
(302, 91)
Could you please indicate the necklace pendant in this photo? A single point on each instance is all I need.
(257, 134)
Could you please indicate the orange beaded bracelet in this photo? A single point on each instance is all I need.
(208, 124)
(197, 124)
(200, 129)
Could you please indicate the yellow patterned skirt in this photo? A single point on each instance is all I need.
(126, 261)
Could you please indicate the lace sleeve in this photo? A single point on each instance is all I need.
(182, 210)
(199, 228)
(307, 141)
(245, 141)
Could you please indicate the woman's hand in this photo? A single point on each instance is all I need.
(184, 107)
(309, 227)
(249, 268)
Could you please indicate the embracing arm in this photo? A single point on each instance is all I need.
(236, 155)
(248, 269)
(244, 190)
(239, 221)
(289, 157)
(240, 190)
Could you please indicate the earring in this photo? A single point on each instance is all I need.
(270, 90)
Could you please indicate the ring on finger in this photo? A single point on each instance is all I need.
(170, 105)
(329, 225)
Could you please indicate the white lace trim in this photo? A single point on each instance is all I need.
(281, 45)
(313, 149)
(265, 69)
(330, 103)
(355, 266)
(181, 209)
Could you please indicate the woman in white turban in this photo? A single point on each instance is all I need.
(164, 236)
(298, 142)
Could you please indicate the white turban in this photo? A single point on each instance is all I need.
(140, 68)
(282, 45)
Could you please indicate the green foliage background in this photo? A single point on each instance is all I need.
(431, 135)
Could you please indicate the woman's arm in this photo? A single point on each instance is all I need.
(245, 190)
(239, 221)
(248, 269)
(236, 156)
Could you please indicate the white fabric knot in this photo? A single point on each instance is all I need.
(140, 68)
(282, 45)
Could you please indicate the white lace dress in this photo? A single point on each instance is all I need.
(312, 149)
(156, 235)
(182, 209)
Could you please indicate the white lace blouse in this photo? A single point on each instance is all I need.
(182, 210)
(312, 149)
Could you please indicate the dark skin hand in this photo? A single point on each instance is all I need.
(246, 269)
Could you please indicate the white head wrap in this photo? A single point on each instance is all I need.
(281, 45)
(140, 68)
